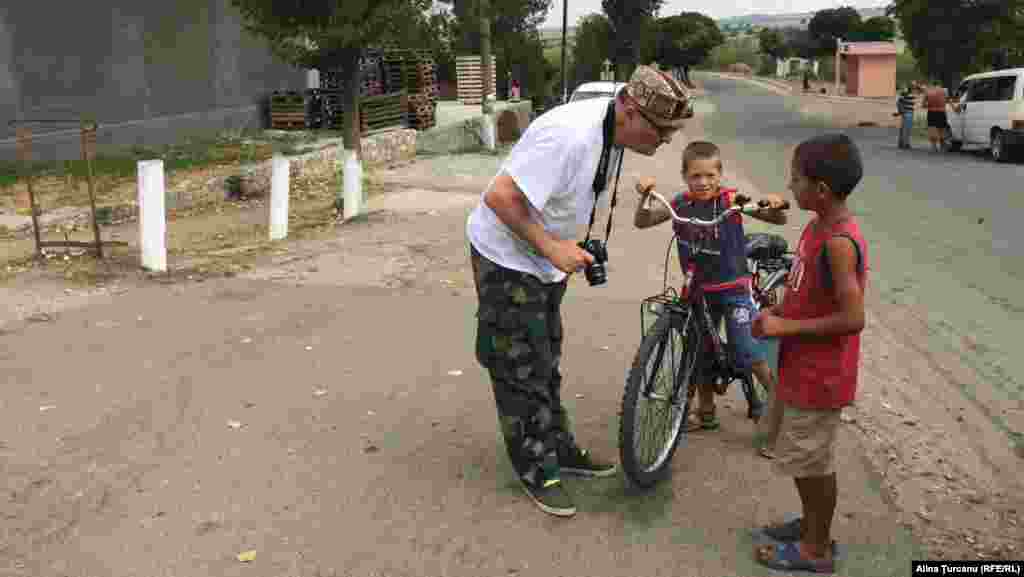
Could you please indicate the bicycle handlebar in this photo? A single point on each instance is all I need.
(744, 207)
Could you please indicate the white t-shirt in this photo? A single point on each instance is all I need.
(554, 164)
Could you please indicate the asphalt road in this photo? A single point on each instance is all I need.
(946, 231)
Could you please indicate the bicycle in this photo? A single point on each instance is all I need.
(682, 328)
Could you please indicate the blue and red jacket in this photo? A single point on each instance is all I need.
(728, 270)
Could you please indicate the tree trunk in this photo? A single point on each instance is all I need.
(352, 126)
(485, 53)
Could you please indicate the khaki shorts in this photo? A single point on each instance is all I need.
(805, 445)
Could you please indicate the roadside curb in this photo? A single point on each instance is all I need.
(777, 85)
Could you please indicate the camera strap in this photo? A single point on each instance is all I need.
(601, 178)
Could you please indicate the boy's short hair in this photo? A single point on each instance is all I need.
(701, 150)
(833, 159)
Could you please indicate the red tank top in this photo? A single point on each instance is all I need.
(820, 372)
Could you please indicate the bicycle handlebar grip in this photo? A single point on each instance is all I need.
(764, 204)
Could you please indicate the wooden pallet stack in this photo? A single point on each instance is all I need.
(470, 78)
(394, 70)
(371, 75)
(287, 111)
(331, 101)
(397, 88)
(421, 112)
(423, 108)
(383, 111)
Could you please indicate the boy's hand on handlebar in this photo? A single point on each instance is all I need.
(644, 186)
(775, 202)
(568, 257)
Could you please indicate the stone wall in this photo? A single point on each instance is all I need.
(379, 150)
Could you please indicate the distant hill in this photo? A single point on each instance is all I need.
(553, 36)
(798, 20)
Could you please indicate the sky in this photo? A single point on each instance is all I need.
(716, 10)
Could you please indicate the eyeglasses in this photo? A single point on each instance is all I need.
(663, 131)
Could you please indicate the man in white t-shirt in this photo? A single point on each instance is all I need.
(523, 247)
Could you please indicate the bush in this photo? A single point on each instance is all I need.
(734, 51)
(906, 70)
(767, 66)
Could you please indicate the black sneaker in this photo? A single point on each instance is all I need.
(551, 497)
(581, 463)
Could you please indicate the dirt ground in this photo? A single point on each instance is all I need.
(952, 477)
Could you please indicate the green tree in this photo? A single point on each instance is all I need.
(593, 47)
(799, 42)
(629, 19)
(773, 43)
(514, 39)
(953, 38)
(828, 25)
(331, 33)
(685, 40)
(876, 29)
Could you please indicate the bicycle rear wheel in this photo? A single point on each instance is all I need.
(656, 400)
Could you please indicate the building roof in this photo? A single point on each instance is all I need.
(868, 48)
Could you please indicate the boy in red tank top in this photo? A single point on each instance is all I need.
(818, 325)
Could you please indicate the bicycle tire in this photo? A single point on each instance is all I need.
(656, 343)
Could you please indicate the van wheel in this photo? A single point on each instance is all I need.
(998, 147)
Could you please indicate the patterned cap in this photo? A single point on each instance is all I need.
(663, 99)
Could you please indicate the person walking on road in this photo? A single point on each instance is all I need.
(938, 123)
(522, 238)
(905, 111)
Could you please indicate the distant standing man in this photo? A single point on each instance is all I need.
(905, 110)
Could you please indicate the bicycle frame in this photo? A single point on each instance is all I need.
(687, 311)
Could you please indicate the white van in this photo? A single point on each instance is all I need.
(989, 112)
(589, 90)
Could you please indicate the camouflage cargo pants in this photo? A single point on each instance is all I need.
(519, 342)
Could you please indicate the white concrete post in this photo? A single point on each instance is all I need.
(152, 215)
(279, 187)
(487, 131)
(353, 177)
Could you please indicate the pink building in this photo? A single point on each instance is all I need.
(870, 68)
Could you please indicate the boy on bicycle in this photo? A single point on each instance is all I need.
(818, 324)
(727, 286)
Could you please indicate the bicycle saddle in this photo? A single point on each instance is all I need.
(765, 246)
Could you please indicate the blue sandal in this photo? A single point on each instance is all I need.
(785, 532)
(787, 557)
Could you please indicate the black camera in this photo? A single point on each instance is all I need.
(596, 274)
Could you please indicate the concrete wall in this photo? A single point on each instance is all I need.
(149, 72)
(871, 75)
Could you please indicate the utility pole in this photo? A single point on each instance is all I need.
(485, 71)
(565, 18)
(839, 49)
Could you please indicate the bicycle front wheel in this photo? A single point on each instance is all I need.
(656, 400)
